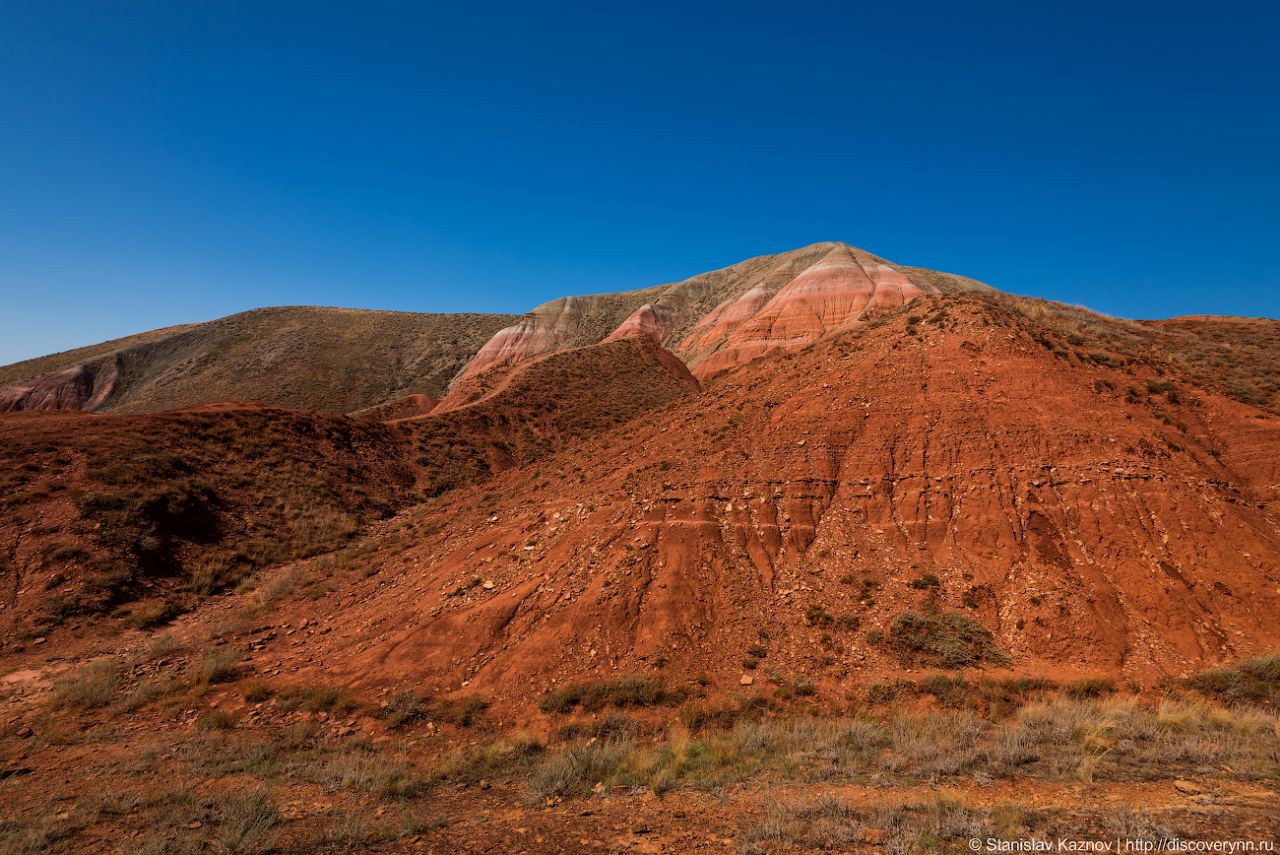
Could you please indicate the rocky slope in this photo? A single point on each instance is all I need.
(859, 507)
(333, 360)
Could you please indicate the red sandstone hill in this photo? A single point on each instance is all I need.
(959, 465)
(721, 319)
(881, 469)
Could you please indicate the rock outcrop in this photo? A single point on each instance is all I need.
(74, 388)
(843, 288)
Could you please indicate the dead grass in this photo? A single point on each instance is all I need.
(365, 769)
(1064, 738)
(945, 823)
(824, 823)
(97, 684)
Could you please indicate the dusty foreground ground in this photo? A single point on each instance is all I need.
(183, 746)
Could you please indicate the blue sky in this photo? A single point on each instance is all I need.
(163, 162)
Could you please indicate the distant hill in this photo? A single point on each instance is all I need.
(332, 360)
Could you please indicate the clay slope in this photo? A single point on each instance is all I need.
(857, 507)
(717, 320)
(334, 360)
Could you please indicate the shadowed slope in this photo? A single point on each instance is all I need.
(511, 417)
(102, 510)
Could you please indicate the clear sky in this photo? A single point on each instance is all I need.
(163, 162)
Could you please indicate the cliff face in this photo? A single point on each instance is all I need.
(76, 387)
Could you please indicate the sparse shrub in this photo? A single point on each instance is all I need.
(950, 640)
(817, 616)
(1255, 681)
(246, 823)
(215, 719)
(884, 693)
(823, 823)
(469, 765)
(407, 707)
(64, 554)
(951, 691)
(256, 691)
(462, 712)
(332, 699)
(702, 715)
(632, 690)
(926, 582)
(218, 666)
(1090, 687)
(153, 614)
(578, 768)
(363, 769)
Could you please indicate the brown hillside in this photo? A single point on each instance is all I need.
(333, 360)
